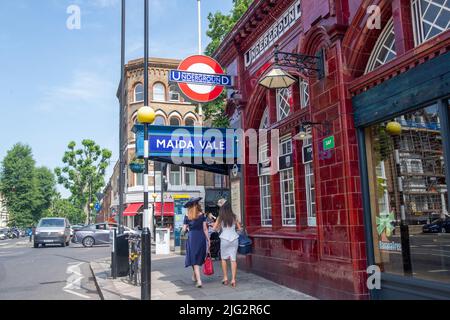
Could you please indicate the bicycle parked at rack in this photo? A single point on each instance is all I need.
(134, 259)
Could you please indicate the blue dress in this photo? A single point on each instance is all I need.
(196, 242)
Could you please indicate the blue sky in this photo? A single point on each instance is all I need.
(59, 85)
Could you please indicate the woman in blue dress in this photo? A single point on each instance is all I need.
(197, 244)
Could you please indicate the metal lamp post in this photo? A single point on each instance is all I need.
(146, 116)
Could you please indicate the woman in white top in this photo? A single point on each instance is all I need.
(229, 241)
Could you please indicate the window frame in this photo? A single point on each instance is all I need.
(280, 98)
(135, 93)
(309, 180)
(159, 85)
(380, 44)
(287, 140)
(418, 21)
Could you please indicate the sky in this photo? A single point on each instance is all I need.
(58, 84)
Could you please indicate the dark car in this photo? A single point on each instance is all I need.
(437, 226)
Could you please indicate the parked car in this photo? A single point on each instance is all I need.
(52, 231)
(96, 234)
(74, 228)
(437, 226)
(3, 234)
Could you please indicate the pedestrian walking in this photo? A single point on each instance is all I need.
(197, 244)
(229, 240)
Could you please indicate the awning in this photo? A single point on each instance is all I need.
(169, 209)
(132, 209)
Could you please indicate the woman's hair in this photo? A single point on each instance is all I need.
(194, 211)
(226, 215)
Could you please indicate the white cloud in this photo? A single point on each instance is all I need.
(85, 90)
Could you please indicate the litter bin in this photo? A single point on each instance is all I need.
(183, 239)
(162, 241)
(122, 254)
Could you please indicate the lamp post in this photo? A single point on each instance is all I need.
(146, 116)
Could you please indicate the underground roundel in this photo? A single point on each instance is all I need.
(200, 78)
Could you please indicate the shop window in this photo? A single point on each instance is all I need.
(175, 175)
(265, 201)
(139, 93)
(304, 93)
(159, 92)
(287, 186)
(430, 18)
(409, 196)
(384, 50)
(174, 95)
(189, 177)
(218, 180)
(284, 102)
(310, 189)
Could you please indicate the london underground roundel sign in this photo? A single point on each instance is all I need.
(200, 78)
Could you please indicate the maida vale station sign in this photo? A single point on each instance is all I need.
(287, 20)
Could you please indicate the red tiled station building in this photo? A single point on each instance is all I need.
(307, 220)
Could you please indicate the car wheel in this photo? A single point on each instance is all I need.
(63, 244)
(443, 230)
(88, 242)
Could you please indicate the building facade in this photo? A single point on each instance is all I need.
(359, 188)
(171, 109)
(4, 216)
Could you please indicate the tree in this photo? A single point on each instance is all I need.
(66, 209)
(45, 190)
(84, 172)
(17, 185)
(219, 26)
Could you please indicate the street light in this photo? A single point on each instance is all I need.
(277, 78)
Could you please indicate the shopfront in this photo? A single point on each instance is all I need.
(367, 184)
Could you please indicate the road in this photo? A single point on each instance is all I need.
(50, 273)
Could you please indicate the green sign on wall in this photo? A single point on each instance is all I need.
(328, 143)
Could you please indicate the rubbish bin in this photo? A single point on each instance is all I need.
(162, 241)
(122, 254)
(183, 239)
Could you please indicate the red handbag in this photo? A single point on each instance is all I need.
(208, 266)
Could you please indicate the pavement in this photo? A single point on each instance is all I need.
(50, 273)
(172, 281)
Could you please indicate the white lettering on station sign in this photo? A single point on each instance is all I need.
(286, 21)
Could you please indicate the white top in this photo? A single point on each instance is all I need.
(229, 233)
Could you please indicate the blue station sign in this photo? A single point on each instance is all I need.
(200, 78)
(190, 146)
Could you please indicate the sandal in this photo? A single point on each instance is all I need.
(225, 282)
(233, 284)
(198, 285)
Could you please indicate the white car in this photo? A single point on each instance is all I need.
(3, 235)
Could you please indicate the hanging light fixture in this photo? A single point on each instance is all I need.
(276, 79)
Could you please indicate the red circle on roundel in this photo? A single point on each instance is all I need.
(196, 96)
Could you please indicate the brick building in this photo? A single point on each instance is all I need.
(325, 216)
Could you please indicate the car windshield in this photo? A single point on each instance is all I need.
(51, 223)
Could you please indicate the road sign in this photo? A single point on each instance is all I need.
(328, 143)
(200, 78)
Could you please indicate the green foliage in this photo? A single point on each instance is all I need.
(27, 190)
(66, 209)
(219, 26)
(84, 171)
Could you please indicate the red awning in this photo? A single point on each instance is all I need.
(132, 209)
(169, 209)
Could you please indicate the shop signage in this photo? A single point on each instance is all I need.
(200, 78)
(285, 162)
(328, 143)
(188, 143)
(283, 24)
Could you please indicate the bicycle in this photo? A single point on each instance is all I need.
(134, 244)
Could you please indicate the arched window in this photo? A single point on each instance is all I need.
(174, 121)
(430, 18)
(384, 50)
(159, 92)
(189, 122)
(174, 94)
(265, 120)
(159, 121)
(139, 92)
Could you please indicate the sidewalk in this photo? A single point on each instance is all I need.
(172, 281)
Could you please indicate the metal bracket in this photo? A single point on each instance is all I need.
(308, 65)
